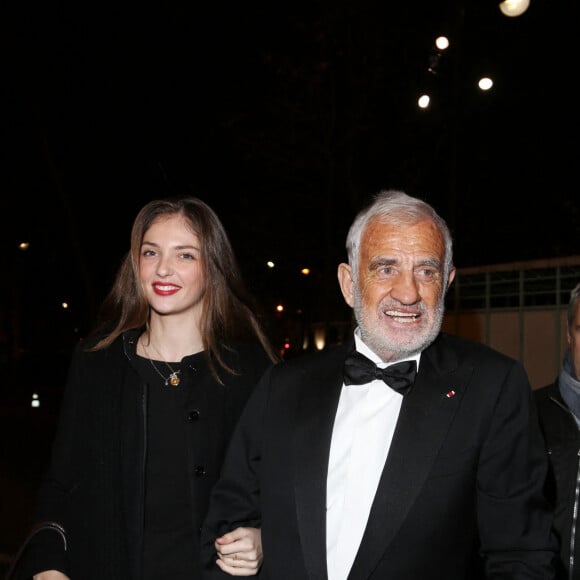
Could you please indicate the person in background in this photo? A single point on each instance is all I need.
(559, 411)
(405, 453)
(150, 402)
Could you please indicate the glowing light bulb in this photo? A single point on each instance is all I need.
(514, 8)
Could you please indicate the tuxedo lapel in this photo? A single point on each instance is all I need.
(318, 401)
(424, 420)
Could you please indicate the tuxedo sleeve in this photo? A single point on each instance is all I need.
(514, 517)
(235, 498)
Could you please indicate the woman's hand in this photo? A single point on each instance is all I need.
(50, 575)
(239, 552)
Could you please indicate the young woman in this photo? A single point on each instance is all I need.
(150, 403)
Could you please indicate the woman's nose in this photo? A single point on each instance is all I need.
(164, 267)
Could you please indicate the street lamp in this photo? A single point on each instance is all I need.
(514, 8)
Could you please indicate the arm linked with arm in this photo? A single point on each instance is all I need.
(235, 499)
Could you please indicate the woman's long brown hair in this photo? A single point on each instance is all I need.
(228, 311)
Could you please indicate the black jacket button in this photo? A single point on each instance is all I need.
(193, 415)
(199, 471)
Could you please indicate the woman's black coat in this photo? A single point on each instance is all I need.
(94, 487)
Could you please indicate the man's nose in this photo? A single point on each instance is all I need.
(405, 288)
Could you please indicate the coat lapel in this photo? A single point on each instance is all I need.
(424, 420)
(318, 401)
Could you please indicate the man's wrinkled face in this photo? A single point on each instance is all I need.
(399, 289)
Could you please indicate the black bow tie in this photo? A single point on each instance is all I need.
(359, 370)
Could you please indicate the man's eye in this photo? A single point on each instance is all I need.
(427, 273)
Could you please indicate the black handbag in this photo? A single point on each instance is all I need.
(15, 571)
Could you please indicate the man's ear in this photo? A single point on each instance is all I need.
(346, 283)
(451, 278)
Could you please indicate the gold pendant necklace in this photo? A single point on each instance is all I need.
(173, 378)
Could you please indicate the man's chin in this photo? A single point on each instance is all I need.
(401, 343)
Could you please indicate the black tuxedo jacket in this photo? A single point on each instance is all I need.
(460, 496)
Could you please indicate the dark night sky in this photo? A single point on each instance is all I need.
(285, 117)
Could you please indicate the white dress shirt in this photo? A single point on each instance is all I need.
(363, 431)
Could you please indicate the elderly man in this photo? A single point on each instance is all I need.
(404, 454)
